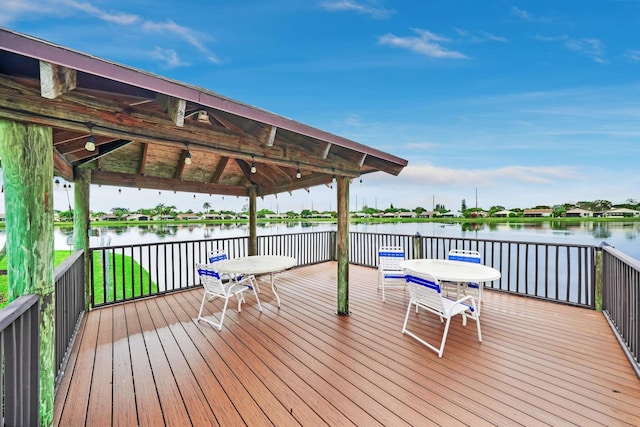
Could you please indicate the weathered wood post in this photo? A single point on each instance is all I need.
(253, 221)
(599, 276)
(27, 164)
(417, 246)
(81, 198)
(343, 246)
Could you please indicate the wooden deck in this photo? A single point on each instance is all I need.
(149, 363)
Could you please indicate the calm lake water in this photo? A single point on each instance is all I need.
(625, 236)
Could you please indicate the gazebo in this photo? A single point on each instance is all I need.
(91, 121)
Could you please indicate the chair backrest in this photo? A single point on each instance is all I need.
(425, 289)
(217, 255)
(210, 278)
(389, 257)
(465, 255)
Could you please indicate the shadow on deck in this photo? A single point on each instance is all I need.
(149, 363)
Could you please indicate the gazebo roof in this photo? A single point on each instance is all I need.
(145, 126)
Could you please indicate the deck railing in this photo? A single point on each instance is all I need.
(551, 271)
(621, 300)
(123, 273)
(20, 362)
(68, 279)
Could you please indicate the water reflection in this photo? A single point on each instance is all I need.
(622, 235)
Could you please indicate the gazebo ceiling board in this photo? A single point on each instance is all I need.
(144, 126)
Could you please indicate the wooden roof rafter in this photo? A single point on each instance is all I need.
(142, 124)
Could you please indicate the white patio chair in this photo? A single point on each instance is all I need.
(220, 255)
(425, 292)
(390, 274)
(467, 288)
(214, 288)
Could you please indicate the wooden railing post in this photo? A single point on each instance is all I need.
(598, 278)
(417, 246)
(332, 246)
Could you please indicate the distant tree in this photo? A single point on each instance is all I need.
(559, 210)
(305, 213)
(602, 205)
(463, 206)
(494, 209)
(119, 212)
(206, 206)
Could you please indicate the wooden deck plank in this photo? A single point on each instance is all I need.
(369, 335)
(147, 401)
(124, 408)
(539, 363)
(200, 363)
(174, 410)
(194, 400)
(101, 392)
(75, 402)
(250, 396)
(255, 361)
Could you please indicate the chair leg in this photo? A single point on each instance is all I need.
(204, 298)
(444, 337)
(254, 283)
(406, 317)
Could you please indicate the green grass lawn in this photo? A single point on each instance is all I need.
(58, 257)
(127, 279)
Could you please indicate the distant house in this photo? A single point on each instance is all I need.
(407, 215)
(162, 217)
(578, 213)
(537, 213)
(211, 216)
(425, 214)
(109, 217)
(621, 212)
(504, 214)
(447, 215)
(187, 217)
(137, 217)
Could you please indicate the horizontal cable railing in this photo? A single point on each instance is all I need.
(621, 300)
(550, 271)
(20, 362)
(70, 291)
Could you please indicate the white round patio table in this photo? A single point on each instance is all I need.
(258, 264)
(458, 272)
(452, 271)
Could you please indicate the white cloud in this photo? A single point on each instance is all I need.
(426, 43)
(593, 48)
(169, 57)
(372, 9)
(191, 37)
(116, 18)
(632, 55)
(527, 16)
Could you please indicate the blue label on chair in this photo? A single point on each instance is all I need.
(210, 273)
(392, 254)
(217, 258)
(423, 282)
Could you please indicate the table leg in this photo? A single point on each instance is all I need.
(274, 288)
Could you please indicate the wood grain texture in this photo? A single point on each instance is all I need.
(540, 363)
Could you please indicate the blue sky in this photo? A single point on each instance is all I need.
(525, 102)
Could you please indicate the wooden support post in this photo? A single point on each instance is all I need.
(343, 246)
(253, 221)
(417, 246)
(27, 165)
(81, 224)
